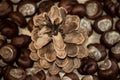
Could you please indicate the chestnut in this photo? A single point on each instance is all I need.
(103, 24)
(114, 52)
(53, 77)
(90, 77)
(1, 72)
(55, 0)
(86, 24)
(109, 38)
(118, 10)
(94, 9)
(14, 73)
(14, 1)
(3, 40)
(27, 8)
(8, 53)
(68, 4)
(30, 25)
(45, 6)
(9, 29)
(108, 69)
(18, 18)
(5, 9)
(79, 10)
(70, 76)
(88, 66)
(21, 41)
(35, 0)
(40, 75)
(117, 25)
(110, 7)
(24, 61)
(97, 51)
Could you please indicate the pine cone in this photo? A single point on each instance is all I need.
(57, 41)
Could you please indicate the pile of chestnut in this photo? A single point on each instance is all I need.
(101, 17)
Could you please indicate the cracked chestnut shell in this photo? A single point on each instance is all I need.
(5, 9)
(27, 8)
(21, 41)
(24, 61)
(103, 24)
(117, 25)
(8, 53)
(88, 66)
(14, 73)
(18, 18)
(114, 52)
(9, 29)
(94, 9)
(90, 77)
(109, 38)
(108, 69)
(97, 51)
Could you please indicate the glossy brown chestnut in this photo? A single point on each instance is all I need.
(34, 0)
(5, 9)
(18, 18)
(109, 38)
(9, 29)
(30, 25)
(53, 77)
(118, 10)
(117, 25)
(24, 61)
(27, 8)
(40, 75)
(86, 24)
(8, 53)
(115, 51)
(79, 10)
(97, 51)
(21, 41)
(108, 69)
(3, 40)
(90, 77)
(88, 66)
(14, 1)
(55, 0)
(13, 73)
(68, 4)
(70, 76)
(94, 9)
(1, 72)
(45, 6)
(103, 24)
(110, 7)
